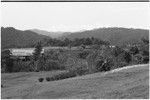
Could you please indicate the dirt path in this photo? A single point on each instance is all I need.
(125, 83)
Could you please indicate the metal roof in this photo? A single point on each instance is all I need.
(23, 51)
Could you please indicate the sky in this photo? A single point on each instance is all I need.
(74, 16)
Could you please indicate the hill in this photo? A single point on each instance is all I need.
(115, 36)
(131, 82)
(11, 37)
(50, 34)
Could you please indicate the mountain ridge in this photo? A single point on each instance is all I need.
(11, 37)
(47, 33)
(114, 35)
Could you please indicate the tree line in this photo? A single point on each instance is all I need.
(74, 42)
(101, 58)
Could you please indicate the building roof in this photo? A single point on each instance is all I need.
(23, 51)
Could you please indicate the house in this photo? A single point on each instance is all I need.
(23, 53)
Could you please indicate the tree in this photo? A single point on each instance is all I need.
(87, 41)
(134, 50)
(66, 42)
(145, 50)
(117, 51)
(7, 60)
(37, 51)
(127, 57)
(145, 41)
(36, 56)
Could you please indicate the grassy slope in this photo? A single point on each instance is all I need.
(127, 83)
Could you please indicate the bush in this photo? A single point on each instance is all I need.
(61, 50)
(53, 65)
(119, 63)
(127, 57)
(80, 70)
(48, 78)
(9, 64)
(134, 50)
(122, 60)
(61, 76)
(104, 64)
(137, 59)
(41, 79)
(21, 66)
(83, 54)
(145, 59)
(54, 60)
(78, 66)
(52, 54)
(117, 51)
(108, 59)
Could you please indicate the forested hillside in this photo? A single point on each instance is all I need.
(115, 36)
(11, 37)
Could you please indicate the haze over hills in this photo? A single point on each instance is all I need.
(115, 36)
(51, 34)
(11, 37)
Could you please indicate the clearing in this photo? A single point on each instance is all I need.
(126, 83)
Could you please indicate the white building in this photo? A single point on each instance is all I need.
(23, 51)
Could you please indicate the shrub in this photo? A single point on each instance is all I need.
(107, 59)
(78, 66)
(145, 59)
(122, 60)
(137, 59)
(91, 59)
(39, 65)
(61, 76)
(9, 64)
(117, 51)
(53, 65)
(127, 57)
(3, 70)
(104, 64)
(61, 50)
(118, 63)
(21, 66)
(52, 54)
(48, 78)
(134, 50)
(41, 79)
(80, 70)
(83, 54)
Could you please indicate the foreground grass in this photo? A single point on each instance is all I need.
(126, 83)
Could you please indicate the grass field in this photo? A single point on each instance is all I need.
(126, 83)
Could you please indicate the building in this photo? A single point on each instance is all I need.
(23, 53)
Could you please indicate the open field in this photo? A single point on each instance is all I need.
(126, 83)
